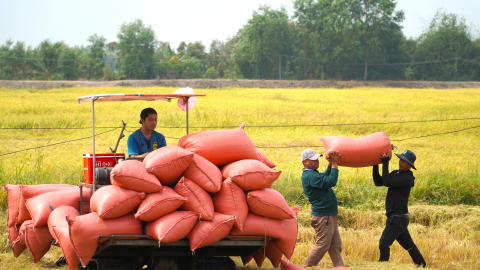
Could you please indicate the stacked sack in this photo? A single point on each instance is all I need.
(29, 209)
(213, 184)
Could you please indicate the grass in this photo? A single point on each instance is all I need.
(444, 201)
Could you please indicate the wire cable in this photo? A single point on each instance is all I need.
(332, 125)
(264, 147)
(59, 128)
(57, 143)
(400, 140)
(279, 126)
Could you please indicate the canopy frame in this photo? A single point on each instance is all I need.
(128, 97)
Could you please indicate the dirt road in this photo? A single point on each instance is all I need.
(209, 83)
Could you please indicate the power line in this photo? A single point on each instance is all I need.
(59, 128)
(279, 126)
(435, 134)
(331, 125)
(264, 147)
(57, 143)
(311, 146)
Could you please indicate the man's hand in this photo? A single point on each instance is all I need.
(139, 156)
(333, 159)
(386, 155)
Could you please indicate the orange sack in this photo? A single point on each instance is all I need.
(220, 146)
(286, 243)
(41, 206)
(204, 173)
(13, 199)
(284, 231)
(246, 259)
(273, 254)
(85, 232)
(205, 233)
(168, 163)
(231, 200)
(131, 174)
(199, 201)
(259, 257)
(285, 265)
(159, 204)
(265, 160)
(172, 227)
(58, 226)
(27, 192)
(361, 152)
(38, 241)
(16, 246)
(57, 218)
(114, 201)
(268, 202)
(250, 174)
(21, 232)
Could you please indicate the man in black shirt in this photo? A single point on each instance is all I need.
(399, 183)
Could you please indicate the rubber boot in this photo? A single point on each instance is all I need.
(417, 257)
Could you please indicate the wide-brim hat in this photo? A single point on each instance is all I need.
(408, 156)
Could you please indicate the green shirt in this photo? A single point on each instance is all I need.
(317, 187)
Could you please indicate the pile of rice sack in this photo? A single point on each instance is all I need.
(212, 185)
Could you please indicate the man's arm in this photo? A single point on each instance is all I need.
(330, 177)
(323, 181)
(377, 179)
(328, 170)
(132, 145)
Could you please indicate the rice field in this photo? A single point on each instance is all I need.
(444, 203)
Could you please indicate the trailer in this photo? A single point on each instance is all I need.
(142, 251)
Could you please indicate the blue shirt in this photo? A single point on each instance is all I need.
(138, 144)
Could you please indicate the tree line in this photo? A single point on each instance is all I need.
(324, 39)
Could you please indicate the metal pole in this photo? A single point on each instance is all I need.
(93, 143)
(119, 138)
(186, 99)
(280, 66)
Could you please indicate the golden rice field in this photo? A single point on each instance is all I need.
(444, 203)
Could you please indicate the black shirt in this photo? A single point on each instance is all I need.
(399, 184)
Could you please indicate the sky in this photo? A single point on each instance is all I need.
(33, 21)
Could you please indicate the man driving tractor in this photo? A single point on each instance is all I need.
(144, 140)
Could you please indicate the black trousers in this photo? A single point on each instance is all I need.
(396, 228)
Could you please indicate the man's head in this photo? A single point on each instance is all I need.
(148, 118)
(407, 160)
(310, 159)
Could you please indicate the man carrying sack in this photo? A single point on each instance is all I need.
(399, 183)
(318, 189)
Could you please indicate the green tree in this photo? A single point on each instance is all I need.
(380, 29)
(341, 33)
(182, 47)
(266, 35)
(196, 49)
(70, 63)
(328, 33)
(96, 56)
(48, 55)
(449, 40)
(136, 46)
(173, 66)
(13, 62)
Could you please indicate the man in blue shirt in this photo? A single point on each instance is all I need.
(318, 189)
(145, 140)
